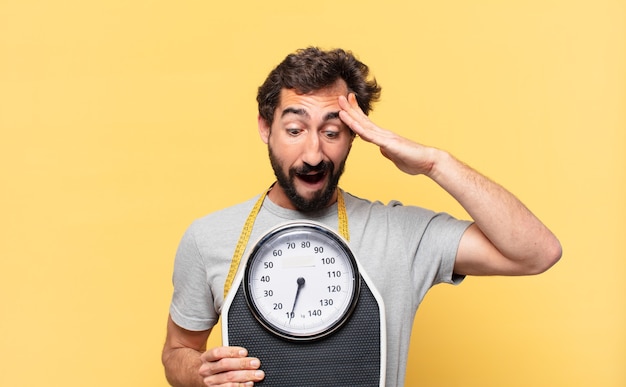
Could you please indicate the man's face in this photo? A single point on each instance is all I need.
(308, 146)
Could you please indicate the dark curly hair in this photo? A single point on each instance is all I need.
(312, 69)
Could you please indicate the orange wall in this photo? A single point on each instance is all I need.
(123, 121)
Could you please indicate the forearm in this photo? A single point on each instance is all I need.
(506, 238)
(181, 355)
(512, 229)
(182, 366)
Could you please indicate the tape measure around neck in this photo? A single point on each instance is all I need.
(342, 220)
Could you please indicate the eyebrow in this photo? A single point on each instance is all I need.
(296, 111)
(304, 113)
(331, 116)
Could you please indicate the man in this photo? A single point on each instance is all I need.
(311, 107)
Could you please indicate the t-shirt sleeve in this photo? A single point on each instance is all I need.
(191, 307)
(440, 242)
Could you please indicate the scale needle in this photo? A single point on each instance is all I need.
(300, 282)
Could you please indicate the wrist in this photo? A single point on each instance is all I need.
(439, 164)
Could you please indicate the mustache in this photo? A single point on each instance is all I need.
(324, 166)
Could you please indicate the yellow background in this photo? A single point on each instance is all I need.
(122, 121)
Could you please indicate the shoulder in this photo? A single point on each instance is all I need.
(221, 223)
(224, 217)
(393, 207)
(396, 217)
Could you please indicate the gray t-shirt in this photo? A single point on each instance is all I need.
(404, 250)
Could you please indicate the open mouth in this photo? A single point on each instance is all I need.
(312, 178)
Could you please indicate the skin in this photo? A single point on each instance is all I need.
(505, 239)
(307, 130)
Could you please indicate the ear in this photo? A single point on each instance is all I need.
(264, 129)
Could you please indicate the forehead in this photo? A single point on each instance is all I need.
(322, 99)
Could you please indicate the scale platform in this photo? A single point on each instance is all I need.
(354, 355)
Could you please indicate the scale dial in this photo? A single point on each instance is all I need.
(301, 281)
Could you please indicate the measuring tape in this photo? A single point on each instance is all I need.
(342, 219)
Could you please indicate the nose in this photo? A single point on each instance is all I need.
(313, 154)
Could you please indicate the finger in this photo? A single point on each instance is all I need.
(350, 122)
(355, 104)
(353, 117)
(218, 353)
(234, 378)
(366, 129)
(229, 364)
(351, 106)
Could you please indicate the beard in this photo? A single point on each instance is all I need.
(321, 198)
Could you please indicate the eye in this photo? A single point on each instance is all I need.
(331, 134)
(294, 131)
